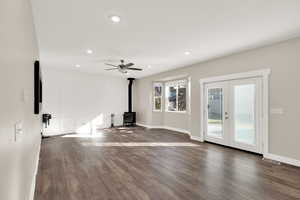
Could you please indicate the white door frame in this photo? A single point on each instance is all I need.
(264, 74)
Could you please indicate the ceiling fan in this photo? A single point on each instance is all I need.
(123, 68)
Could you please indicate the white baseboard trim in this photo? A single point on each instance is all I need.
(50, 134)
(196, 138)
(149, 126)
(282, 159)
(37, 159)
(165, 127)
(177, 130)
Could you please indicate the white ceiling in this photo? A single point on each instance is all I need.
(157, 32)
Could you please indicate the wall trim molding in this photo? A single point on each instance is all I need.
(282, 159)
(37, 159)
(149, 126)
(235, 76)
(165, 127)
(196, 138)
(177, 130)
(54, 134)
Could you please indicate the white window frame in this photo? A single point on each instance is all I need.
(176, 83)
(155, 84)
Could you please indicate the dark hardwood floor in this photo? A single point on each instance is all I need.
(136, 163)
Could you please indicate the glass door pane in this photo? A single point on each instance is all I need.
(244, 114)
(215, 112)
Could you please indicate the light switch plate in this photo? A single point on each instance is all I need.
(18, 131)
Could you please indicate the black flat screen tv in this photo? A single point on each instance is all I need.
(38, 88)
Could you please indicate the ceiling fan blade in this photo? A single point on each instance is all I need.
(111, 69)
(129, 65)
(111, 65)
(137, 69)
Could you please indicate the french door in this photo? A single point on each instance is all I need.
(233, 113)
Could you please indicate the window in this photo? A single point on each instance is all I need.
(176, 96)
(157, 94)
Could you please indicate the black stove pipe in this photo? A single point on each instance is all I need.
(130, 94)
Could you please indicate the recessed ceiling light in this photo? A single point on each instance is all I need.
(149, 66)
(89, 51)
(115, 19)
(77, 65)
(187, 53)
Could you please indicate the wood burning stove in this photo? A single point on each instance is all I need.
(129, 118)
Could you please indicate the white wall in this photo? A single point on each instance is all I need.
(80, 101)
(18, 50)
(283, 60)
